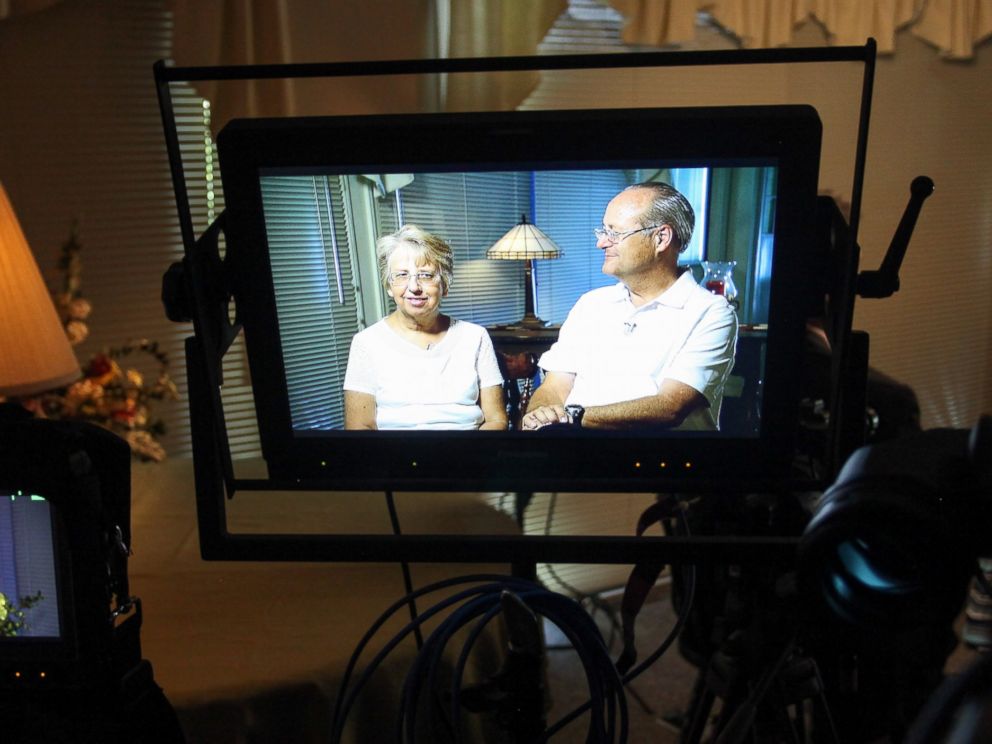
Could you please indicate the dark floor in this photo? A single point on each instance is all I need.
(662, 690)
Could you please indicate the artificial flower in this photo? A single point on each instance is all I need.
(106, 395)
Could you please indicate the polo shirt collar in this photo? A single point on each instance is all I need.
(675, 296)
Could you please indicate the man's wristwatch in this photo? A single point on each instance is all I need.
(575, 413)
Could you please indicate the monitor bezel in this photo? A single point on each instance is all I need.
(788, 136)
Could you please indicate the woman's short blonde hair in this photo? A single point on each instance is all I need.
(423, 244)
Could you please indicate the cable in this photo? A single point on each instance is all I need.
(458, 672)
(943, 712)
(680, 622)
(553, 606)
(609, 717)
(405, 567)
(479, 605)
(593, 598)
(431, 656)
(345, 698)
(657, 653)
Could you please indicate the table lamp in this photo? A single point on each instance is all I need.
(35, 354)
(525, 242)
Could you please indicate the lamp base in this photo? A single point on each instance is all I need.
(528, 323)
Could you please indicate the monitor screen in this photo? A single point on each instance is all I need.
(308, 199)
(29, 597)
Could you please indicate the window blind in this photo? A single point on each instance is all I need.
(110, 176)
(471, 212)
(310, 249)
(562, 202)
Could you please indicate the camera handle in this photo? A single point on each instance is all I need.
(834, 302)
(884, 281)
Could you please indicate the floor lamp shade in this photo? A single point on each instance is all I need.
(35, 354)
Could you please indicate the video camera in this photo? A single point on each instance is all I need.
(70, 653)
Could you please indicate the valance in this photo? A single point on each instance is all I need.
(954, 27)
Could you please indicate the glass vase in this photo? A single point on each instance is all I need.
(718, 278)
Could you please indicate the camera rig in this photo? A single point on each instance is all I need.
(750, 563)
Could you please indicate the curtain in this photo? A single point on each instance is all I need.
(955, 27)
(241, 32)
(495, 28)
(237, 32)
(10, 8)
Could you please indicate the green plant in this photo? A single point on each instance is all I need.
(12, 616)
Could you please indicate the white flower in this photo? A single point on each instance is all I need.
(79, 309)
(144, 445)
(76, 331)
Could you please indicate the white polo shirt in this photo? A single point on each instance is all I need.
(619, 352)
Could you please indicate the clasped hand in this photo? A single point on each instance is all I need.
(544, 416)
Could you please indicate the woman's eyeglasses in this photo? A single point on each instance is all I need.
(400, 278)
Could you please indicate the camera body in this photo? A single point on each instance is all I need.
(65, 489)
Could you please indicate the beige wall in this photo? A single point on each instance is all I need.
(929, 117)
(934, 118)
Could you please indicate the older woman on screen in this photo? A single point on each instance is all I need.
(418, 368)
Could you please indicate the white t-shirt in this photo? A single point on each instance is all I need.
(415, 388)
(618, 352)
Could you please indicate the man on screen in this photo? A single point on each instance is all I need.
(653, 350)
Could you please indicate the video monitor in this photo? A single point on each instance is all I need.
(29, 590)
(38, 637)
(307, 198)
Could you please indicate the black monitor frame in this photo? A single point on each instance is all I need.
(214, 468)
(786, 137)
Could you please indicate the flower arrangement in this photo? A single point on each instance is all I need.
(12, 616)
(111, 393)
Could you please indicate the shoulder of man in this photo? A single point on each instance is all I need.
(599, 295)
(702, 296)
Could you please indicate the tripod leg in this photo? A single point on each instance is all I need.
(699, 711)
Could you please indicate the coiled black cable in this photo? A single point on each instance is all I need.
(346, 698)
(479, 605)
(665, 644)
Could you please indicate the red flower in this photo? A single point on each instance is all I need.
(102, 369)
